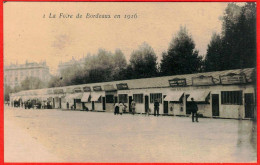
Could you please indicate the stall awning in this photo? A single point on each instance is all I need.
(16, 98)
(198, 95)
(95, 96)
(174, 96)
(77, 95)
(85, 97)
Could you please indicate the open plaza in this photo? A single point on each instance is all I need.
(55, 135)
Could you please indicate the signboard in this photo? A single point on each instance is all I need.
(109, 87)
(86, 89)
(202, 80)
(122, 86)
(233, 79)
(69, 90)
(77, 90)
(177, 82)
(58, 91)
(97, 88)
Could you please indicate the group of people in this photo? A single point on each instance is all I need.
(120, 108)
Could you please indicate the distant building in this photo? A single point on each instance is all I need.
(14, 74)
(64, 65)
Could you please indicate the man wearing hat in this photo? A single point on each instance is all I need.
(194, 109)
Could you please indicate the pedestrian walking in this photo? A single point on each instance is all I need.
(121, 106)
(194, 110)
(116, 111)
(133, 107)
(156, 107)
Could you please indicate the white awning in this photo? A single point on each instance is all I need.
(198, 95)
(174, 96)
(77, 95)
(95, 96)
(68, 98)
(85, 97)
(17, 98)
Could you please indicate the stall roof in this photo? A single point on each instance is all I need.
(85, 97)
(95, 96)
(162, 82)
(198, 95)
(174, 96)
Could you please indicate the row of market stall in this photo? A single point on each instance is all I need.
(225, 94)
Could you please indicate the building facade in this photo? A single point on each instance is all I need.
(14, 74)
(64, 65)
(222, 94)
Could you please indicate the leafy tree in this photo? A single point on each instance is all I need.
(214, 57)
(181, 57)
(120, 65)
(32, 83)
(238, 49)
(7, 91)
(55, 81)
(143, 62)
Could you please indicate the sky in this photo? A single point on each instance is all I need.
(32, 33)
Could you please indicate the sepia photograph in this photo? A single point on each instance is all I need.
(130, 82)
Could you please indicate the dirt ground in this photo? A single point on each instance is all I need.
(77, 136)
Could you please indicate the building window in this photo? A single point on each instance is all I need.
(123, 98)
(231, 97)
(77, 100)
(109, 98)
(138, 98)
(155, 96)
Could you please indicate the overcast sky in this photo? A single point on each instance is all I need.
(29, 36)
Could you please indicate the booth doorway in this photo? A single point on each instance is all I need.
(146, 103)
(93, 105)
(165, 106)
(53, 103)
(215, 105)
(59, 102)
(104, 103)
(130, 101)
(249, 105)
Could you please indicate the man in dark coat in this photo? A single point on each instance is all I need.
(194, 109)
(156, 108)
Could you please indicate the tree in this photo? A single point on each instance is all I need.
(7, 91)
(214, 57)
(143, 62)
(32, 83)
(238, 37)
(55, 81)
(120, 65)
(181, 57)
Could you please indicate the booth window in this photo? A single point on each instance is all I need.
(231, 97)
(138, 98)
(155, 96)
(77, 100)
(123, 98)
(109, 98)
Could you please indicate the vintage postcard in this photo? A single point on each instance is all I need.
(130, 82)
